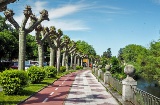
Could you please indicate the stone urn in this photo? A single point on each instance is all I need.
(107, 67)
(100, 66)
(129, 70)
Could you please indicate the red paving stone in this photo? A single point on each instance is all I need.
(47, 97)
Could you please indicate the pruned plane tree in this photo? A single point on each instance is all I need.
(23, 31)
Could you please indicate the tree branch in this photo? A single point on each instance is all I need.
(52, 32)
(27, 12)
(44, 16)
(3, 4)
(9, 16)
(38, 30)
(51, 45)
(72, 51)
(32, 27)
(45, 37)
(62, 44)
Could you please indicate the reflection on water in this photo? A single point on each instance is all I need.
(148, 87)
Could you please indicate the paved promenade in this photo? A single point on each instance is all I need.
(86, 90)
(80, 88)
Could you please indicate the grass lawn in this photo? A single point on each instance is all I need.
(28, 91)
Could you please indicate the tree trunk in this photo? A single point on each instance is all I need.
(52, 57)
(40, 55)
(75, 58)
(71, 64)
(66, 62)
(58, 59)
(22, 50)
(88, 62)
(91, 62)
(81, 61)
(63, 59)
(78, 62)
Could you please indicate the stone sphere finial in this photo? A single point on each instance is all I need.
(107, 67)
(129, 70)
(100, 66)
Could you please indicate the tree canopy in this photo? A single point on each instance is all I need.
(85, 48)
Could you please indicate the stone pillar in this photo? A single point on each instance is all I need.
(96, 70)
(127, 92)
(99, 70)
(93, 68)
(107, 74)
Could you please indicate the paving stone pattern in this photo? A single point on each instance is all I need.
(86, 90)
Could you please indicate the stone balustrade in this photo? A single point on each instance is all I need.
(125, 87)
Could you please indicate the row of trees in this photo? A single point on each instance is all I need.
(51, 37)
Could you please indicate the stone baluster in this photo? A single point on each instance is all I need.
(107, 74)
(127, 93)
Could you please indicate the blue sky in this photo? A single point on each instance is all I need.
(102, 23)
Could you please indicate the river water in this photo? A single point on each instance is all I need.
(148, 87)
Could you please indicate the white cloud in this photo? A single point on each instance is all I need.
(156, 1)
(112, 7)
(56, 15)
(67, 25)
(39, 6)
(65, 10)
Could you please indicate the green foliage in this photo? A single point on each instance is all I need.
(103, 61)
(13, 81)
(108, 53)
(8, 45)
(79, 67)
(31, 46)
(146, 61)
(115, 65)
(36, 74)
(3, 25)
(104, 70)
(132, 52)
(120, 53)
(62, 69)
(119, 76)
(139, 99)
(85, 48)
(28, 91)
(0, 77)
(51, 71)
